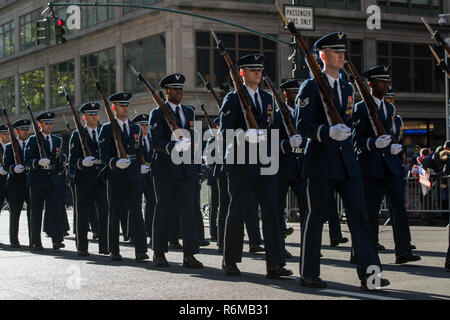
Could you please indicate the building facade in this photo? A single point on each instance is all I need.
(157, 43)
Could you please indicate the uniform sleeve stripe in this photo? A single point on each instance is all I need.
(318, 133)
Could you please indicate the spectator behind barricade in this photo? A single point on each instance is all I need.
(424, 152)
(416, 154)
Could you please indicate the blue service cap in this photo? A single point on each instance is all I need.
(251, 61)
(336, 41)
(175, 80)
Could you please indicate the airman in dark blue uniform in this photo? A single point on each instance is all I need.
(174, 183)
(18, 192)
(124, 178)
(44, 183)
(246, 177)
(381, 163)
(330, 165)
(291, 162)
(149, 190)
(90, 190)
(5, 139)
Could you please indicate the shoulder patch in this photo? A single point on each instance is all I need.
(154, 126)
(303, 103)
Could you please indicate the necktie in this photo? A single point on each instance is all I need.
(178, 116)
(125, 132)
(145, 144)
(336, 101)
(94, 136)
(23, 145)
(381, 113)
(49, 145)
(257, 105)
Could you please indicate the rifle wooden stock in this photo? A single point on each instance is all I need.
(209, 87)
(440, 62)
(159, 101)
(81, 133)
(37, 132)
(368, 100)
(436, 35)
(239, 86)
(285, 113)
(210, 124)
(114, 126)
(14, 142)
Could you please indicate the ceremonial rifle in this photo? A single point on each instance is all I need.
(37, 132)
(440, 61)
(320, 77)
(436, 35)
(81, 132)
(372, 108)
(158, 100)
(14, 142)
(285, 113)
(209, 87)
(112, 120)
(243, 94)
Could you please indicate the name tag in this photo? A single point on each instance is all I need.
(297, 150)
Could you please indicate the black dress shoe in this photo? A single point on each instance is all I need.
(413, 247)
(116, 257)
(287, 254)
(191, 262)
(405, 257)
(175, 246)
(383, 283)
(126, 238)
(447, 264)
(312, 282)
(66, 234)
(160, 260)
(38, 248)
(83, 254)
(336, 242)
(104, 252)
(276, 272)
(58, 245)
(220, 250)
(353, 259)
(203, 243)
(255, 249)
(142, 256)
(380, 247)
(288, 232)
(16, 245)
(213, 238)
(95, 236)
(231, 269)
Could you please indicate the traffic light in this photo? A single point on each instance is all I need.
(60, 30)
(43, 32)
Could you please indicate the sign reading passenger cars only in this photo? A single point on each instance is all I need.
(303, 17)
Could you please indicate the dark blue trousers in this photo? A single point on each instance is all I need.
(251, 220)
(175, 195)
(334, 225)
(224, 204)
(126, 197)
(352, 193)
(241, 187)
(394, 188)
(16, 198)
(150, 202)
(214, 207)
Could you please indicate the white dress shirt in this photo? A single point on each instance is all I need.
(252, 94)
(120, 123)
(378, 103)
(331, 80)
(49, 139)
(174, 109)
(90, 131)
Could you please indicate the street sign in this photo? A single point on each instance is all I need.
(303, 17)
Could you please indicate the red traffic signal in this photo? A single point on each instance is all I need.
(61, 22)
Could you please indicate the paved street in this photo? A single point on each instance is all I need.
(63, 275)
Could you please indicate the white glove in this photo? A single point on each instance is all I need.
(295, 141)
(3, 172)
(145, 169)
(88, 161)
(254, 136)
(340, 132)
(383, 141)
(396, 148)
(184, 144)
(44, 162)
(19, 168)
(123, 163)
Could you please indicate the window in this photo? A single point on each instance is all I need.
(32, 87)
(61, 74)
(103, 65)
(331, 4)
(213, 66)
(148, 56)
(91, 16)
(414, 7)
(7, 39)
(27, 27)
(413, 68)
(138, 2)
(7, 93)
